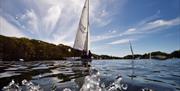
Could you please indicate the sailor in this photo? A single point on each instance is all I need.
(90, 54)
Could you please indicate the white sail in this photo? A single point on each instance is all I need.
(131, 49)
(150, 56)
(82, 36)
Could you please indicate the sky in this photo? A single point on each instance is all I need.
(151, 25)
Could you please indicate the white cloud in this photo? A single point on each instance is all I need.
(148, 19)
(101, 18)
(8, 29)
(57, 21)
(131, 30)
(100, 38)
(102, 12)
(154, 26)
(139, 29)
(114, 31)
(108, 35)
(121, 41)
(52, 21)
(161, 24)
(51, 18)
(31, 21)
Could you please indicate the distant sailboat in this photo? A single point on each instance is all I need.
(82, 37)
(131, 50)
(150, 56)
(132, 62)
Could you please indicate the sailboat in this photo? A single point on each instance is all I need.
(131, 49)
(150, 56)
(82, 42)
(132, 62)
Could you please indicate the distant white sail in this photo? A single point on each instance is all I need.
(131, 49)
(150, 56)
(82, 36)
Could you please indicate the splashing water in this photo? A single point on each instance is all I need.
(117, 85)
(146, 89)
(66, 89)
(91, 83)
(12, 87)
(58, 75)
(30, 86)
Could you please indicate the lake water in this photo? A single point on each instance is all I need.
(102, 75)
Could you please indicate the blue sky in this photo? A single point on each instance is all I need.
(151, 25)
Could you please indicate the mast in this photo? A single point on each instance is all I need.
(86, 46)
(88, 33)
(88, 30)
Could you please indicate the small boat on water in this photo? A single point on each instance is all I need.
(82, 42)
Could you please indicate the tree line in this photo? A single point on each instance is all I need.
(13, 49)
(29, 49)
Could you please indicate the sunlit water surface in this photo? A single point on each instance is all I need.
(102, 75)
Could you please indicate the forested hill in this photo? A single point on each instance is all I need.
(155, 55)
(29, 49)
(12, 48)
